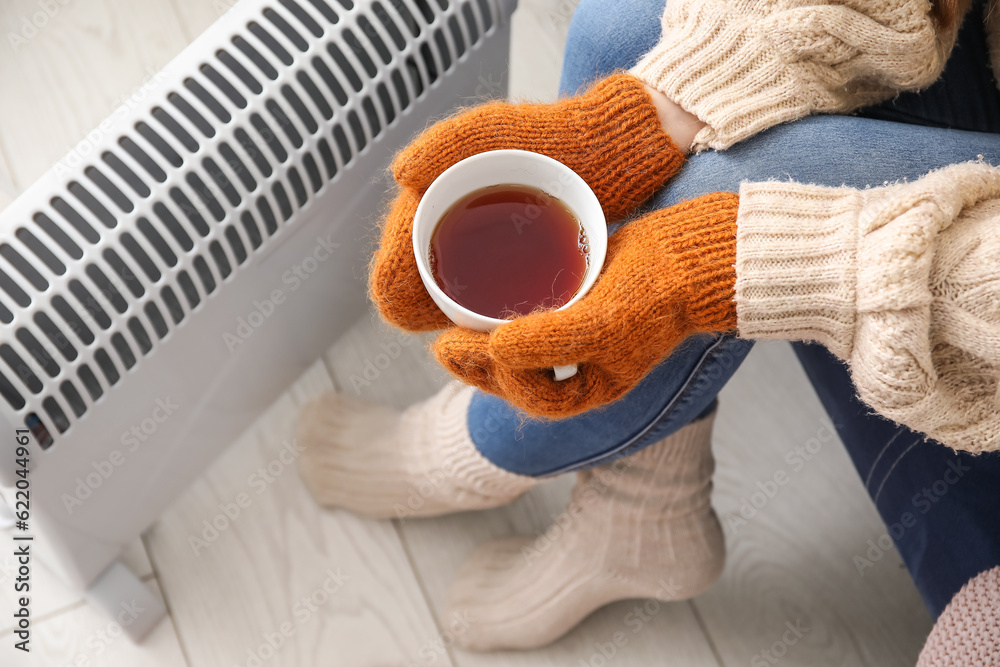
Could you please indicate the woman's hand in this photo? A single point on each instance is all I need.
(668, 275)
(681, 125)
(612, 136)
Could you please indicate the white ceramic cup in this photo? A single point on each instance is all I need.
(507, 167)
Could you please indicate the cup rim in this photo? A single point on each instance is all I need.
(423, 267)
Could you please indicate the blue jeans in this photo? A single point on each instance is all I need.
(958, 535)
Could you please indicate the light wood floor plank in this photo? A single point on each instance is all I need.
(248, 580)
(8, 192)
(78, 68)
(792, 562)
(196, 15)
(400, 372)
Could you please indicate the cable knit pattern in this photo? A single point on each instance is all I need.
(743, 66)
(903, 282)
(967, 634)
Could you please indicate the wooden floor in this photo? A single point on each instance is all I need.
(791, 564)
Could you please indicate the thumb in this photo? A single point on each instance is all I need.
(552, 338)
(465, 354)
(394, 283)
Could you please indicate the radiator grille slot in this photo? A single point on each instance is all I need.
(56, 413)
(270, 42)
(227, 195)
(23, 267)
(143, 159)
(19, 296)
(73, 398)
(126, 174)
(192, 115)
(55, 334)
(303, 17)
(10, 394)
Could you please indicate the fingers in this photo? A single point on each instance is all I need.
(466, 355)
(394, 282)
(536, 391)
(554, 338)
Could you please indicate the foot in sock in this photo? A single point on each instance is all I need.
(381, 463)
(641, 527)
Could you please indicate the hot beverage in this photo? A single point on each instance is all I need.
(507, 250)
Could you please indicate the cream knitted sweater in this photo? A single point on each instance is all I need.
(901, 282)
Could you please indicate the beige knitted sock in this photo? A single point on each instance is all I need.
(377, 462)
(967, 634)
(642, 527)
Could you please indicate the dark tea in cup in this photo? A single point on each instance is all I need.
(507, 250)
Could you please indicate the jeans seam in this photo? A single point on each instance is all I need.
(660, 417)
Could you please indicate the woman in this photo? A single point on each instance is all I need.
(899, 281)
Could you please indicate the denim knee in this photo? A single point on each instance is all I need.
(831, 151)
(606, 35)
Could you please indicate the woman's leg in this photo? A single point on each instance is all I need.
(607, 35)
(939, 505)
(515, 585)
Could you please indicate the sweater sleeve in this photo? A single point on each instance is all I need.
(901, 282)
(742, 66)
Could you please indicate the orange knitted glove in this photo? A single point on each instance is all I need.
(668, 275)
(611, 136)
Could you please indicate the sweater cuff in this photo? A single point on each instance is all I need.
(720, 66)
(796, 263)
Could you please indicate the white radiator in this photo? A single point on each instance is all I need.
(171, 276)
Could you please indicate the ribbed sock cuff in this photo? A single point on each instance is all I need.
(460, 460)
